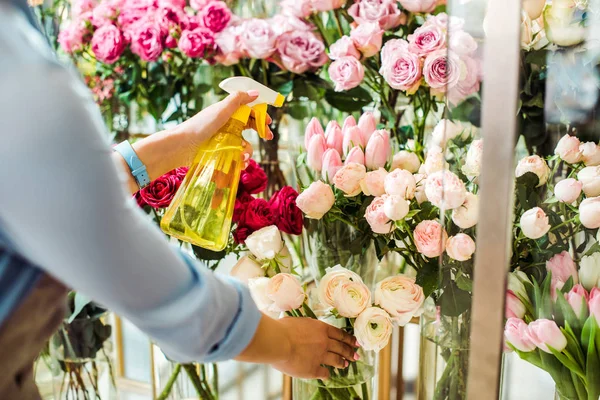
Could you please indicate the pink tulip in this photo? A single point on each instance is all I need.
(594, 304)
(355, 155)
(332, 163)
(378, 150)
(349, 122)
(516, 332)
(544, 333)
(562, 268)
(577, 297)
(352, 138)
(334, 136)
(367, 125)
(313, 128)
(316, 149)
(514, 306)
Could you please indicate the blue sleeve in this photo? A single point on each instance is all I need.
(65, 208)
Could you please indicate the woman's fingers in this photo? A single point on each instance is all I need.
(342, 349)
(341, 336)
(335, 360)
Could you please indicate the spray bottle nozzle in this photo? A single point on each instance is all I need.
(266, 96)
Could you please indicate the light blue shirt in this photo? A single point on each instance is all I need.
(64, 209)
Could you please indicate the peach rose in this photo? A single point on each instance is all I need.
(400, 182)
(286, 292)
(534, 164)
(445, 190)
(568, 190)
(590, 178)
(406, 160)
(246, 269)
(376, 217)
(589, 213)
(568, 150)
(534, 223)
(316, 200)
(367, 38)
(373, 184)
(460, 247)
(349, 177)
(590, 153)
(430, 238)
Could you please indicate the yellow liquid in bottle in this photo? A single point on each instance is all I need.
(202, 208)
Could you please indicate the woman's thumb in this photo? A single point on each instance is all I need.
(238, 99)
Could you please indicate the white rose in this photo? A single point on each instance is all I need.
(411, 145)
(568, 150)
(472, 167)
(534, 223)
(420, 195)
(351, 298)
(445, 190)
(589, 271)
(516, 285)
(258, 291)
(333, 278)
(395, 207)
(560, 27)
(568, 190)
(460, 247)
(400, 182)
(286, 292)
(246, 269)
(373, 329)
(590, 152)
(590, 177)
(589, 212)
(434, 162)
(447, 130)
(467, 215)
(401, 297)
(536, 165)
(406, 160)
(265, 243)
(284, 262)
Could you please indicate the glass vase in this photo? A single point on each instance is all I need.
(444, 356)
(185, 381)
(354, 382)
(327, 244)
(80, 362)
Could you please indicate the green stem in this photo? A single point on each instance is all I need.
(338, 22)
(190, 369)
(169, 386)
(215, 380)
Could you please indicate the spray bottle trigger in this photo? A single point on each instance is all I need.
(260, 116)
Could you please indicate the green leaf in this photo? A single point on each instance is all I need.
(454, 301)
(80, 302)
(427, 277)
(528, 179)
(285, 88)
(567, 362)
(303, 89)
(464, 283)
(349, 101)
(593, 361)
(551, 200)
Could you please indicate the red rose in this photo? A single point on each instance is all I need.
(159, 193)
(258, 215)
(241, 234)
(241, 204)
(253, 179)
(138, 199)
(288, 216)
(180, 172)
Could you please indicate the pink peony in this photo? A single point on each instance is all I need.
(402, 69)
(384, 12)
(301, 51)
(375, 216)
(346, 73)
(104, 14)
(427, 39)
(349, 178)
(367, 38)
(396, 207)
(445, 190)
(195, 43)
(81, 7)
(402, 183)
(71, 37)
(215, 16)
(258, 38)
(441, 70)
(430, 238)
(460, 247)
(146, 41)
(108, 44)
(344, 47)
(199, 4)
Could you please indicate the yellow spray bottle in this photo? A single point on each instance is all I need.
(202, 208)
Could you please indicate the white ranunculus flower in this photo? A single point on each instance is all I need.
(401, 297)
(351, 298)
(534, 223)
(373, 329)
(265, 243)
(534, 164)
(467, 215)
(333, 278)
(589, 271)
(258, 291)
(590, 177)
(246, 269)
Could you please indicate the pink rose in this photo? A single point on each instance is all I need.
(462, 43)
(391, 48)
(297, 8)
(344, 47)
(378, 150)
(108, 44)
(258, 38)
(536, 165)
(349, 177)
(316, 149)
(419, 6)
(356, 156)
(367, 125)
(590, 152)
(71, 37)
(146, 41)
(228, 43)
(316, 200)
(562, 268)
(314, 128)
(469, 81)
(445, 22)
(332, 163)
(430, 238)
(460, 247)
(373, 184)
(545, 333)
(534, 223)
(590, 178)
(516, 332)
(288, 23)
(384, 12)
(567, 149)
(395, 207)
(286, 292)
(104, 14)
(445, 190)
(367, 38)
(514, 308)
(400, 182)
(196, 42)
(578, 299)
(375, 216)
(215, 16)
(346, 73)
(589, 213)
(594, 304)
(401, 68)
(568, 190)
(301, 51)
(441, 70)
(406, 160)
(352, 138)
(427, 39)
(327, 5)
(349, 122)
(334, 136)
